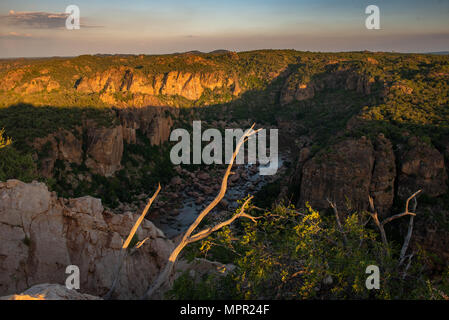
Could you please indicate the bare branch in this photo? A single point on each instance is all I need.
(373, 214)
(381, 225)
(410, 227)
(142, 216)
(337, 217)
(124, 251)
(406, 212)
(412, 197)
(396, 216)
(207, 232)
(404, 274)
(224, 184)
(140, 243)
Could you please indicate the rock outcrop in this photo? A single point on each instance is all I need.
(296, 89)
(102, 147)
(421, 167)
(343, 173)
(104, 150)
(356, 169)
(48, 291)
(383, 176)
(41, 234)
(61, 145)
(181, 83)
(155, 122)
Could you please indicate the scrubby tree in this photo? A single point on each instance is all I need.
(291, 254)
(4, 141)
(13, 164)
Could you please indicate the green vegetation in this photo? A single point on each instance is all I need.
(144, 166)
(24, 122)
(4, 141)
(16, 165)
(13, 164)
(408, 93)
(290, 254)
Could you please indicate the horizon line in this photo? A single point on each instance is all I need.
(442, 52)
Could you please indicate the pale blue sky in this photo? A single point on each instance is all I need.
(154, 27)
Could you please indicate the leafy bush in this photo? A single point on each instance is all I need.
(4, 141)
(294, 255)
(16, 165)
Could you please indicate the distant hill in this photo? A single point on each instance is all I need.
(220, 51)
(439, 52)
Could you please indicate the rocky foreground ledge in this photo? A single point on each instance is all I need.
(41, 234)
(48, 291)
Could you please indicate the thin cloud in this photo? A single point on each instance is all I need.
(15, 35)
(38, 20)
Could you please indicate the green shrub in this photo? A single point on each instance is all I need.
(16, 165)
(289, 254)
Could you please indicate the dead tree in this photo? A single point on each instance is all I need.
(124, 251)
(337, 217)
(188, 238)
(410, 229)
(381, 225)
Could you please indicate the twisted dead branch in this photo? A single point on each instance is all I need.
(165, 275)
(124, 252)
(207, 232)
(410, 227)
(337, 217)
(381, 225)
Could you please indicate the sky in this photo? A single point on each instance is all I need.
(35, 28)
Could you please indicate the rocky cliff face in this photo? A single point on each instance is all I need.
(422, 167)
(344, 173)
(383, 176)
(102, 147)
(189, 85)
(155, 122)
(356, 169)
(61, 145)
(296, 89)
(42, 234)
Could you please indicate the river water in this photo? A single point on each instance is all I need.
(175, 225)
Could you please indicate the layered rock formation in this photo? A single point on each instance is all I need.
(155, 122)
(296, 89)
(61, 145)
(383, 176)
(102, 147)
(189, 85)
(422, 167)
(340, 175)
(41, 234)
(353, 170)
